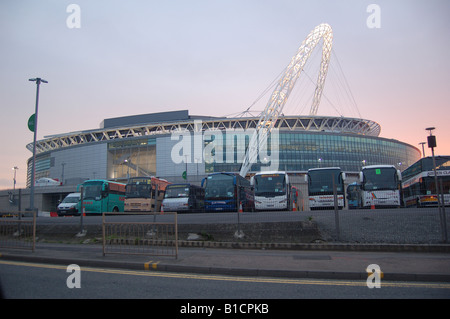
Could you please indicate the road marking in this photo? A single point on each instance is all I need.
(234, 278)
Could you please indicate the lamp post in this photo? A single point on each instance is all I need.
(432, 144)
(431, 139)
(423, 148)
(15, 168)
(33, 170)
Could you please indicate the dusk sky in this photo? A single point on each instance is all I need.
(215, 57)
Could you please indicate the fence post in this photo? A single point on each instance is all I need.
(34, 231)
(81, 208)
(443, 216)
(103, 232)
(336, 209)
(176, 235)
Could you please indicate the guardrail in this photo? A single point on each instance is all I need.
(141, 238)
(18, 230)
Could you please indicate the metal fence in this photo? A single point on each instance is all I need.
(389, 226)
(141, 238)
(17, 232)
(380, 225)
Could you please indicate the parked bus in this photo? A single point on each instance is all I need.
(380, 186)
(354, 195)
(183, 198)
(419, 188)
(144, 194)
(272, 191)
(101, 196)
(320, 187)
(221, 192)
(297, 199)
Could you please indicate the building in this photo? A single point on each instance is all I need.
(170, 143)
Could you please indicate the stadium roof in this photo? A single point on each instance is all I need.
(167, 122)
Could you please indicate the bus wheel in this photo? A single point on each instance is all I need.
(115, 210)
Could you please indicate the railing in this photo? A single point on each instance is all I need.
(141, 238)
(18, 230)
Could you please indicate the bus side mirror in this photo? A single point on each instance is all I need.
(105, 188)
(306, 178)
(361, 177)
(399, 175)
(343, 176)
(203, 181)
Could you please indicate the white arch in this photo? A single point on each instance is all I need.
(284, 87)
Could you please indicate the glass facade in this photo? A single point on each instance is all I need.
(300, 151)
(296, 151)
(131, 158)
(43, 165)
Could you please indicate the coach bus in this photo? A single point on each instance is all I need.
(380, 186)
(297, 199)
(101, 196)
(144, 194)
(354, 195)
(272, 191)
(320, 187)
(228, 192)
(419, 188)
(183, 198)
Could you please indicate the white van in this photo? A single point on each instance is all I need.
(69, 205)
(44, 181)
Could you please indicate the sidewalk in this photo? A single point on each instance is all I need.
(308, 264)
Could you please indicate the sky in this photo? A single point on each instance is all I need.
(107, 59)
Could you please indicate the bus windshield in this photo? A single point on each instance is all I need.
(270, 184)
(177, 192)
(353, 191)
(219, 186)
(321, 181)
(380, 179)
(92, 190)
(138, 190)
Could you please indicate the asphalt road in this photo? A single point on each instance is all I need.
(46, 281)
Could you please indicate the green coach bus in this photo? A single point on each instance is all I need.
(101, 196)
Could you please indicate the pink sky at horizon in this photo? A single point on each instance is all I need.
(144, 57)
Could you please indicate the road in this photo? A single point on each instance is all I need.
(46, 281)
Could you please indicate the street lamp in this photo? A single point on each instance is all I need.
(33, 170)
(15, 168)
(423, 148)
(431, 139)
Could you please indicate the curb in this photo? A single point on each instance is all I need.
(226, 271)
(442, 248)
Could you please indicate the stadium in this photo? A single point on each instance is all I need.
(143, 145)
(179, 147)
